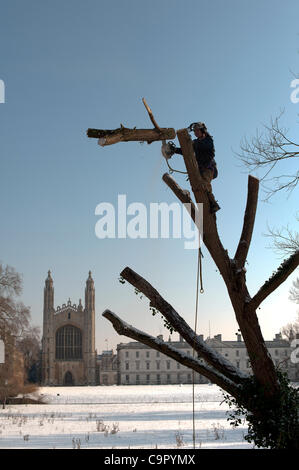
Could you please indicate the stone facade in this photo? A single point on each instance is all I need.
(139, 364)
(107, 367)
(68, 343)
(235, 351)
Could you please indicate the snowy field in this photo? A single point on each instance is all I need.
(121, 417)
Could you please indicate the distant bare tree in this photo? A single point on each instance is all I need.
(294, 291)
(285, 241)
(12, 371)
(10, 281)
(20, 338)
(12, 376)
(266, 150)
(29, 345)
(292, 329)
(14, 316)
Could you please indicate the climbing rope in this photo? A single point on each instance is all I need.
(201, 290)
(172, 170)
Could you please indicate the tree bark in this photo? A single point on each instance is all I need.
(123, 134)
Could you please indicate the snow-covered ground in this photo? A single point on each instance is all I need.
(121, 417)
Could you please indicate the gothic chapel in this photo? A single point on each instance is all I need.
(68, 344)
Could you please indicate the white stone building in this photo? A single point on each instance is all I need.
(107, 368)
(139, 364)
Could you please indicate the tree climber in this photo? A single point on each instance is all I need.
(204, 151)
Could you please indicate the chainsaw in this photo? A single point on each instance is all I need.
(167, 149)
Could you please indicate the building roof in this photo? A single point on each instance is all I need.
(212, 342)
(137, 345)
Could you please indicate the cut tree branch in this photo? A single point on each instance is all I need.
(125, 329)
(180, 325)
(248, 224)
(123, 134)
(282, 273)
(151, 116)
(183, 195)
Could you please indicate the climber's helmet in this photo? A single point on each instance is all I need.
(198, 125)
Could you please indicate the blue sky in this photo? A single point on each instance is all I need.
(70, 65)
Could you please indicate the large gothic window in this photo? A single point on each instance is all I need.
(69, 343)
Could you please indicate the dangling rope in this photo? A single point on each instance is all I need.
(201, 290)
(172, 170)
